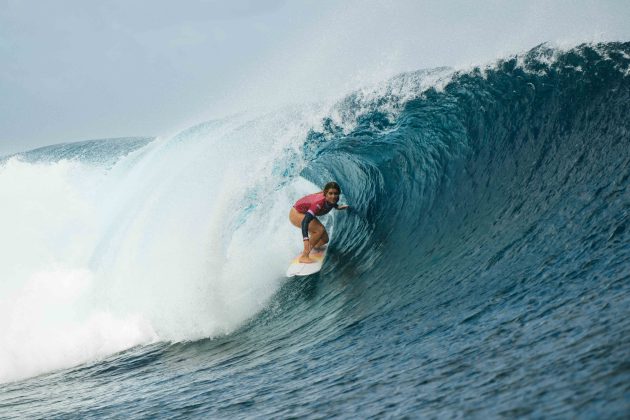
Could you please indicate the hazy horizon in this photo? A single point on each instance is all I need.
(76, 71)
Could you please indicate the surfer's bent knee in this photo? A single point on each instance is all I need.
(316, 227)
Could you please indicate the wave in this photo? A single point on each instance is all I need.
(489, 166)
(104, 152)
(493, 192)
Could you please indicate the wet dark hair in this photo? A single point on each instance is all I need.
(332, 185)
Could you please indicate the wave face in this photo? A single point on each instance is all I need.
(483, 269)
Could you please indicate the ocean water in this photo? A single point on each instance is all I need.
(483, 269)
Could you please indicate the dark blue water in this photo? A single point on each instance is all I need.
(483, 270)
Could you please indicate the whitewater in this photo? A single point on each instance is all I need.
(483, 268)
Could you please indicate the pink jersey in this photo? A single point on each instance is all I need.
(315, 204)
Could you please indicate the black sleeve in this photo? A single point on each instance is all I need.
(307, 219)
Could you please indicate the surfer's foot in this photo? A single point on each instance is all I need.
(306, 260)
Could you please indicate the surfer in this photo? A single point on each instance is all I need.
(303, 215)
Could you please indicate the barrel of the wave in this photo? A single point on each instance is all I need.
(315, 238)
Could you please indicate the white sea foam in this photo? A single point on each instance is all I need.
(184, 239)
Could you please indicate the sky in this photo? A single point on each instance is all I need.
(73, 70)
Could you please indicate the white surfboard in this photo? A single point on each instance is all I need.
(296, 268)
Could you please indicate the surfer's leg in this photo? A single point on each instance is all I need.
(323, 240)
(318, 237)
(317, 233)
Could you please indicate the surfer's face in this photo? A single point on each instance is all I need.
(332, 196)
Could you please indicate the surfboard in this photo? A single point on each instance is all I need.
(296, 268)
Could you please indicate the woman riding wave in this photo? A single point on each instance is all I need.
(303, 215)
